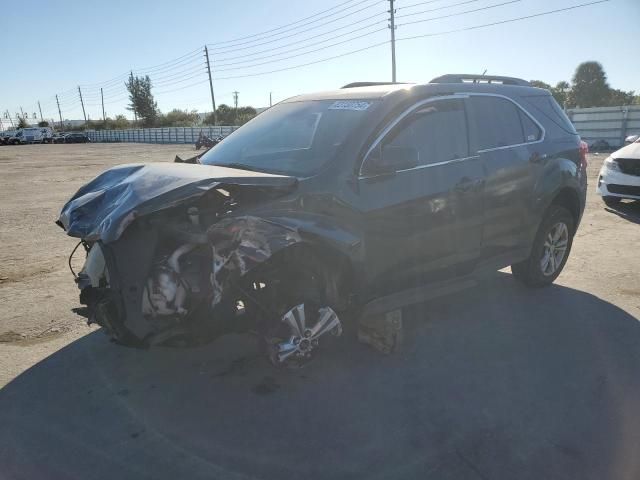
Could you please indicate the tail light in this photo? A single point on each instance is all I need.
(584, 149)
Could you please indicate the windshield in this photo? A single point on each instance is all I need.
(294, 138)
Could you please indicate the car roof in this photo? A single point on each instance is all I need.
(369, 92)
(402, 90)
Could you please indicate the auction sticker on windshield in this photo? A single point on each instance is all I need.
(349, 105)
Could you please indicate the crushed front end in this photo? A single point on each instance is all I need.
(167, 245)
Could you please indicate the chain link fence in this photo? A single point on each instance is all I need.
(158, 135)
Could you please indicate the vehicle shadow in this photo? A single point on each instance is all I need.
(628, 210)
(495, 382)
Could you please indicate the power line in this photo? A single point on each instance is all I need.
(501, 22)
(168, 68)
(403, 7)
(221, 61)
(175, 82)
(232, 48)
(159, 66)
(303, 53)
(305, 64)
(296, 22)
(356, 37)
(182, 88)
(176, 66)
(117, 93)
(189, 54)
(438, 8)
(185, 59)
(488, 7)
(167, 80)
(200, 67)
(475, 27)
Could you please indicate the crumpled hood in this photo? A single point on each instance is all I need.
(104, 207)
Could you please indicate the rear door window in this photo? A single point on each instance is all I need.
(494, 122)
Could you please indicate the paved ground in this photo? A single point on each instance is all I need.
(497, 382)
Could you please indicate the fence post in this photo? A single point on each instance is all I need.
(623, 127)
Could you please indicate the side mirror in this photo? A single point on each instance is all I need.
(390, 159)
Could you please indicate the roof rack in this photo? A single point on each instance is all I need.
(369, 84)
(466, 78)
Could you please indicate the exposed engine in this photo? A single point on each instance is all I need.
(166, 290)
(190, 271)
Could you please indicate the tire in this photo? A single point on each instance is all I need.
(611, 201)
(296, 287)
(534, 271)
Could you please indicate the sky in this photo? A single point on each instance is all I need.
(61, 45)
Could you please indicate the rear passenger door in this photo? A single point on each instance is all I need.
(422, 222)
(505, 138)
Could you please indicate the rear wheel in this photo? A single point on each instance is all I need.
(550, 250)
(611, 201)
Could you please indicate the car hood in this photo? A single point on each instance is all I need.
(630, 151)
(104, 207)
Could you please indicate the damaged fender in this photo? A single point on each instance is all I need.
(239, 244)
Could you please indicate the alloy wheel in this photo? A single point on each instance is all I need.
(555, 249)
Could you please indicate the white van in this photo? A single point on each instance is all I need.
(33, 135)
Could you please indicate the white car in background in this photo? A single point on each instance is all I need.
(620, 175)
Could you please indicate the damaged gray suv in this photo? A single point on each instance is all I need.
(330, 206)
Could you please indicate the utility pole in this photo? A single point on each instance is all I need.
(22, 111)
(213, 99)
(40, 109)
(270, 102)
(392, 26)
(59, 111)
(235, 100)
(84, 114)
(104, 117)
(7, 115)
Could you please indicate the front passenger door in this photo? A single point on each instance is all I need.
(422, 219)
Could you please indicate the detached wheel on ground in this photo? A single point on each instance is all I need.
(550, 251)
(611, 201)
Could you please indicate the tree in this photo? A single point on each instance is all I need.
(228, 115)
(43, 123)
(22, 123)
(178, 118)
(589, 86)
(142, 103)
(561, 92)
(244, 115)
(540, 84)
(620, 97)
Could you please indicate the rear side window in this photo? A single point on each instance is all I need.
(495, 122)
(437, 130)
(547, 110)
(531, 131)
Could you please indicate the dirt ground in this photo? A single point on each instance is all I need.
(499, 381)
(36, 287)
